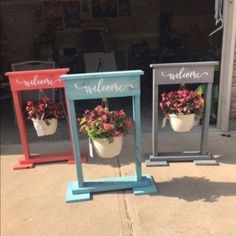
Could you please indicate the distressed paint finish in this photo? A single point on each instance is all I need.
(182, 73)
(34, 80)
(100, 85)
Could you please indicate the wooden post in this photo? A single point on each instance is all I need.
(137, 136)
(35, 80)
(21, 125)
(155, 98)
(206, 119)
(75, 139)
(182, 73)
(105, 85)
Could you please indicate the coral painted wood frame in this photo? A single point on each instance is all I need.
(35, 80)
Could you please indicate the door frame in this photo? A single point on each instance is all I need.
(227, 61)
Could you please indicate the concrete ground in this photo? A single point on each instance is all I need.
(192, 200)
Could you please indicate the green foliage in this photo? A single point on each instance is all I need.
(102, 123)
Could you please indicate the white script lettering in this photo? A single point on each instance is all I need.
(37, 82)
(183, 74)
(100, 87)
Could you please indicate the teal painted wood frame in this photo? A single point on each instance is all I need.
(95, 86)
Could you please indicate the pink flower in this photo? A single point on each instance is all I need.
(41, 106)
(118, 133)
(182, 101)
(98, 108)
(106, 126)
(129, 123)
(93, 114)
(104, 117)
(116, 113)
(29, 103)
(28, 108)
(121, 112)
(45, 100)
(102, 123)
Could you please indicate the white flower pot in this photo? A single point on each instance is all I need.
(43, 129)
(181, 123)
(105, 149)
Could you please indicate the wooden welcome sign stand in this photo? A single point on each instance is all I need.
(101, 85)
(35, 80)
(182, 73)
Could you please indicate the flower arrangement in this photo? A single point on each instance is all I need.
(102, 123)
(181, 102)
(45, 109)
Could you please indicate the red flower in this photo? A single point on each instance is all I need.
(29, 103)
(45, 108)
(116, 113)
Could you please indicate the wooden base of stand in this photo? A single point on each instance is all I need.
(24, 163)
(19, 166)
(145, 186)
(162, 159)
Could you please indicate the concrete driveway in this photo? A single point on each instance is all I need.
(192, 200)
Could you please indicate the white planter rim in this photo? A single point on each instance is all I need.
(104, 149)
(181, 123)
(180, 115)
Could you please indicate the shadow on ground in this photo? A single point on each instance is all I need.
(196, 188)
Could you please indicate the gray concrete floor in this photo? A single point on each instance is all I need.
(192, 200)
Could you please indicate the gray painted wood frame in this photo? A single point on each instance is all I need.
(182, 73)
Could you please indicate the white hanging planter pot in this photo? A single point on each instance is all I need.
(105, 149)
(181, 123)
(45, 128)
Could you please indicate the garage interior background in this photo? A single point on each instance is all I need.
(136, 33)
